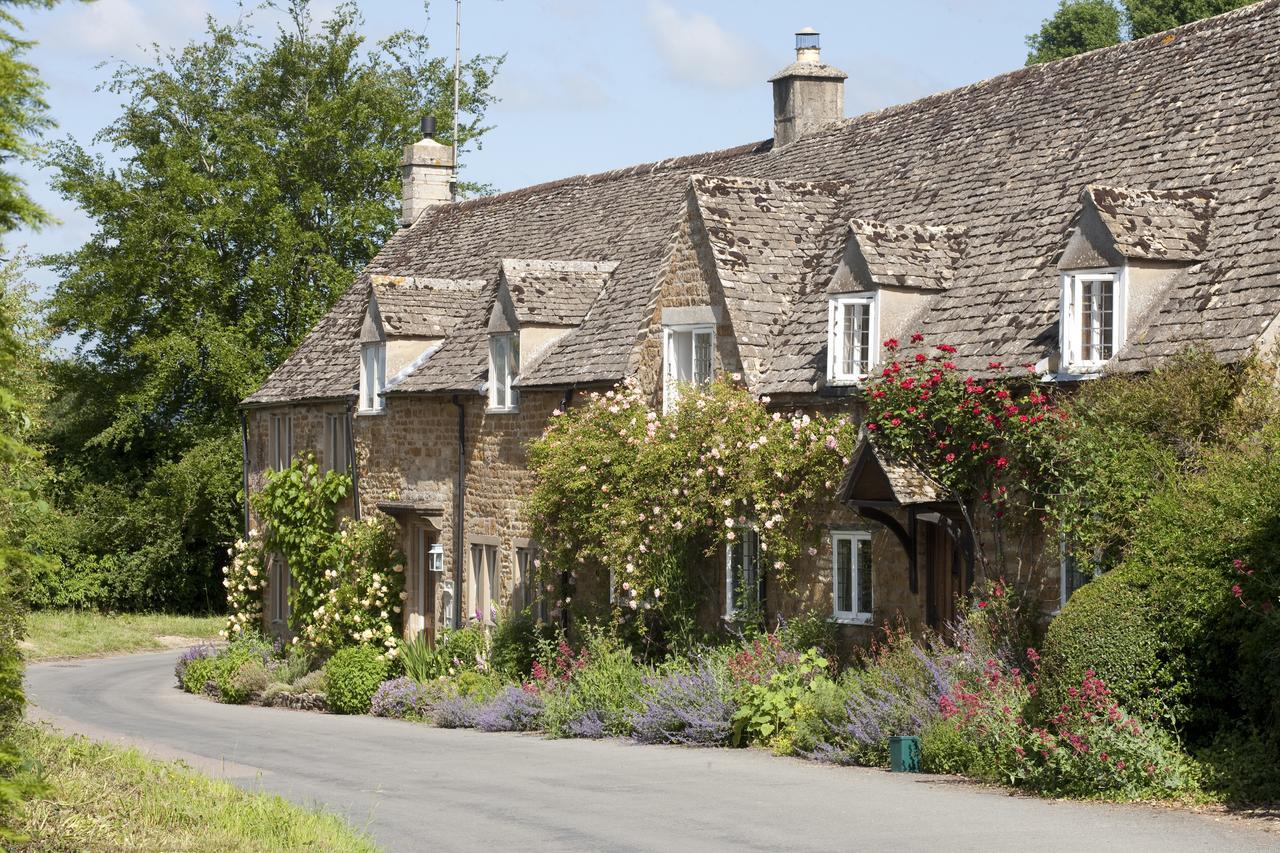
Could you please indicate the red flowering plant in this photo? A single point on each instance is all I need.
(1086, 747)
(977, 434)
(990, 437)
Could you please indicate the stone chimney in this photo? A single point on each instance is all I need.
(806, 94)
(426, 174)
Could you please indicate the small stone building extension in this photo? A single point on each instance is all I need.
(1097, 213)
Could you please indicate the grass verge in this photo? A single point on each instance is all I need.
(101, 797)
(78, 633)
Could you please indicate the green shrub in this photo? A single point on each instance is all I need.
(246, 682)
(944, 748)
(198, 675)
(604, 680)
(312, 682)
(515, 644)
(352, 676)
(478, 686)
(812, 629)
(766, 708)
(1107, 627)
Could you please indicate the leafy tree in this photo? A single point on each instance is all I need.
(23, 116)
(1083, 25)
(1077, 27)
(255, 179)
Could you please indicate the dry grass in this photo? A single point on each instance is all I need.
(103, 798)
(83, 633)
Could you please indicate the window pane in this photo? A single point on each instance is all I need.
(1105, 319)
(863, 314)
(491, 590)
(844, 575)
(848, 341)
(701, 357)
(477, 581)
(734, 579)
(864, 575)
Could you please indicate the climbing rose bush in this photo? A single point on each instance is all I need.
(363, 596)
(622, 486)
(245, 579)
(982, 435)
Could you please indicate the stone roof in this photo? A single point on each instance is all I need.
(424, 307)
(557, 293)
(1004, 161)
(917, 256)
(874, 477)
(1158, 225)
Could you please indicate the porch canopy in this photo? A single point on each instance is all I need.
(875, 484)
(421, 512)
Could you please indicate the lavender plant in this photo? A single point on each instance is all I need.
(590, 725)
(513, 710)
(456, 712)
(690, 708)
(400, 698)
(200, 651)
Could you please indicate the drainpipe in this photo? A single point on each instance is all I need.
(244, 465)
(351, 463)
(459, 499)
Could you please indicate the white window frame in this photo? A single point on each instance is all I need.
(1071, 316)
(373, 376)
(280, 452)
(860, 612)
(503, 396)
(483, 580)
(836, 375)
(335, 443)
(672, 369)
(749, 543)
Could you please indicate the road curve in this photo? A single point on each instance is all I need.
(415, 787)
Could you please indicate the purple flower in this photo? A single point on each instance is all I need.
(686, 708)
(512, 710)
(196, 652)
(456, 712)
(589, 725)
(400, 697)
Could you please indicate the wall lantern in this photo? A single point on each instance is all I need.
(435, 558)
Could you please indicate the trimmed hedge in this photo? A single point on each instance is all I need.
(1164, 628)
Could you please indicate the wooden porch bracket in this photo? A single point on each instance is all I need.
(907, 538)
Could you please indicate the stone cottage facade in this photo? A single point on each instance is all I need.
(1097, 213)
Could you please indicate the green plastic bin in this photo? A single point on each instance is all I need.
(904, 754)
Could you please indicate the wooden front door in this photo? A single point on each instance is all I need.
(942, 576)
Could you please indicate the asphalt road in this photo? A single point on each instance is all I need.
(419, 788)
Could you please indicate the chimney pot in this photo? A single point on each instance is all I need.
(426, 175)
(806, 94)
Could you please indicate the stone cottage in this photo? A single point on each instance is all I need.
(1097, 213)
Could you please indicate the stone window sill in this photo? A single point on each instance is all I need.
(851, 620)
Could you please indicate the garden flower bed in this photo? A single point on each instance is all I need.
(973, 701)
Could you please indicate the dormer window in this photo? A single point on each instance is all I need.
(504, 366)
(373, 375)
(688, 359)
(1093, 317)
(851, 337)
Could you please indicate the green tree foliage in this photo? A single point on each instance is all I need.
(255, 179)
(1077, 27)
(1083, 25)
(1169, 628)
(21, 476)
(23, 116)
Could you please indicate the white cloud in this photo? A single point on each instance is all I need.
(128, 28)
(697, 50)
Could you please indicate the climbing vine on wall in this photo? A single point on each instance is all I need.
(346, 578)
(621, 486)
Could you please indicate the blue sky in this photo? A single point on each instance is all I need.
(588, 84)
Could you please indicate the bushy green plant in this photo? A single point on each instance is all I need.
(247, 681)
(515, 644)
(312, 682)
(419, 660)
(199, 675)
(352, 676)
(766, 709)
(946, 749)
(812, 629)
(603, 682)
